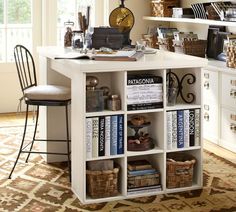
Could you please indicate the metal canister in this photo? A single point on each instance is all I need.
(114, 102)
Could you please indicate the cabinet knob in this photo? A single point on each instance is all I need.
(206, 75)
(206, 116)
(233, 117)
(233, 127)
(206, 84)
(233, 93)
(206, 107)
(233, 82)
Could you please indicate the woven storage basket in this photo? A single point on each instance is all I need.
(231, 56)
(179, 170)
(102, 183)
(191, 47)
(166, 44)
(163, 8)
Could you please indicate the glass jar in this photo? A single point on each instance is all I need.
(77, 39)
(114, 102)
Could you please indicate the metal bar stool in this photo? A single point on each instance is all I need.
(39, 95)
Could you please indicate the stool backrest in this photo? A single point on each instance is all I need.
(25, 67)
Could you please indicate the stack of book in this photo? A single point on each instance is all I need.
(144, 91)
(142, 177)
(183, 128)
(104, 136)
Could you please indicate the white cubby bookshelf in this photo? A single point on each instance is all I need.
(117, 81)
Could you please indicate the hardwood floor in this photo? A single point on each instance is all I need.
(16, 119)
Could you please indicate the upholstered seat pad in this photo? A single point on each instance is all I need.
(48, 92)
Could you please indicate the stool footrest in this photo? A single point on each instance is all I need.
(50, 153)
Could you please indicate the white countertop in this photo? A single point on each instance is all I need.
(160, 60)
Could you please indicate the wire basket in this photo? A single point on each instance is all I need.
(163, 8)
(191, 47)
(179, 170)
(102, 183)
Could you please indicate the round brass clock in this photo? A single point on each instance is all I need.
(122, 18)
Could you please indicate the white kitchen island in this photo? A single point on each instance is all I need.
(114, 75)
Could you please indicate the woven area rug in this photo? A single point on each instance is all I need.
(41, 187)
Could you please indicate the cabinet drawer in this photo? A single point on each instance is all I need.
(210, 123)
(210, 86)
(228, 129)
(228, 90)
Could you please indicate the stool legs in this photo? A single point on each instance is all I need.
(35, 130)
(32, 143)
(22, 142)
(68, 141)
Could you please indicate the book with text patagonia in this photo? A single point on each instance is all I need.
(114, 56)
(144, 91)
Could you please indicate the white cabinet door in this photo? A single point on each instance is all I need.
(210, 122)
(228, 129)
(210, 105)
(228, 90)
(210, 86)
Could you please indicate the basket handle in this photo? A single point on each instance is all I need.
(182, 171)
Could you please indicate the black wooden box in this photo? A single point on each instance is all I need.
(107, 37)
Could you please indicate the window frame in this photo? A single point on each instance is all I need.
(5, 27)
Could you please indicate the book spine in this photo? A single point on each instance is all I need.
(101, 147)
(174, 129)
(107, 135)
(120, 133)
(113, 144)
(180, 129)
(197, 126)
(186, 128)
(169, 130)
(147, 190)
(95, 136)
(191, 127)
(89, 138)
(144, 188)
(142, 172)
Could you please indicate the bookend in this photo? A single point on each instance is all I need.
(172, 79)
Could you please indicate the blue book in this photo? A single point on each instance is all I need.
(120, 135)
(180, 129)
(113, 137)
(142, 172)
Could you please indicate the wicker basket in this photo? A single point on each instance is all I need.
(166, 44)
(179, 170)
(231, 56)
(102, 183)
(163, 8)
(191, 47)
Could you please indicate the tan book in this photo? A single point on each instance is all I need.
(139, 165)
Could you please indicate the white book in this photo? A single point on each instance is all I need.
(107, 135)
(186, 128)
(169, 130)
(174, 129)
(89, 138)
(197, 127)
(95, 135)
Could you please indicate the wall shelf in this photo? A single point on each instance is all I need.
(190, 20)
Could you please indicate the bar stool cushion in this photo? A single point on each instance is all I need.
(48, 92)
